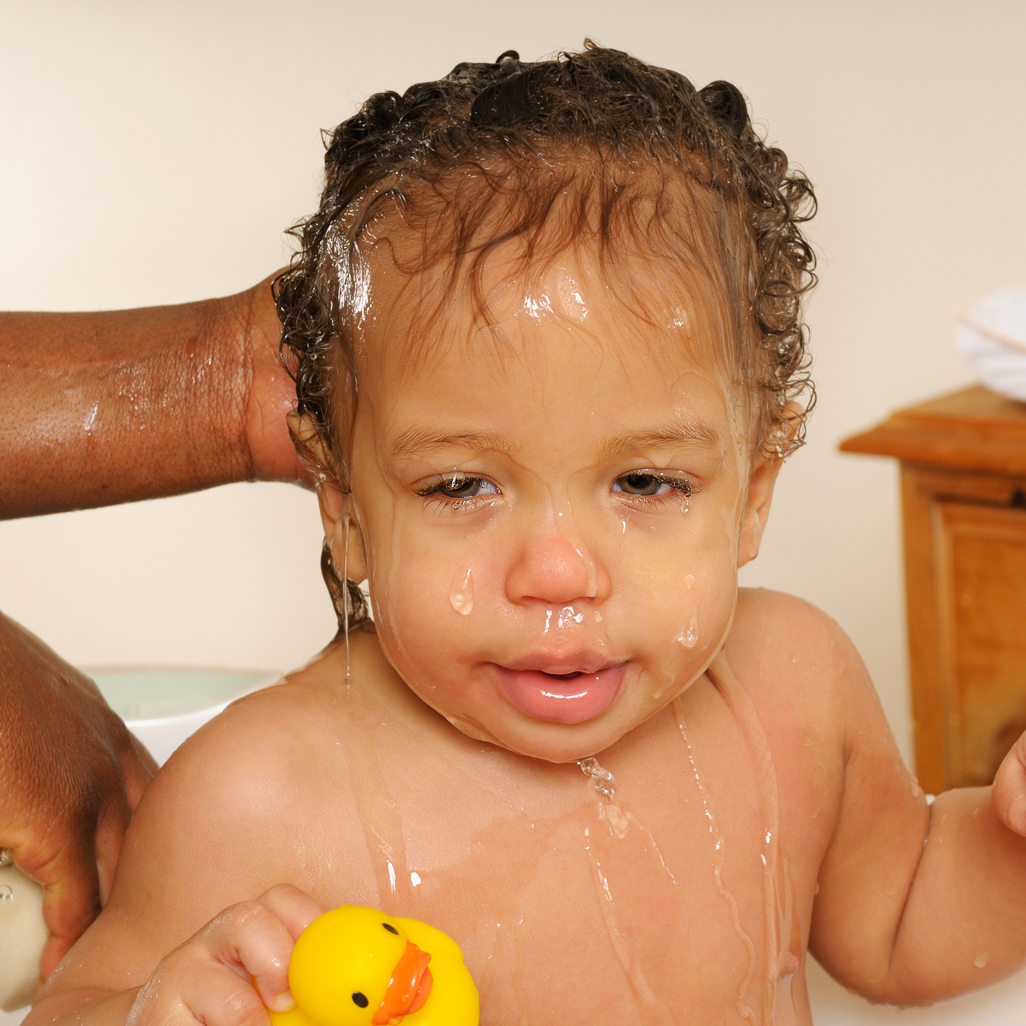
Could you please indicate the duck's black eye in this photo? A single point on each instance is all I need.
(360, 1000)
(390, 928)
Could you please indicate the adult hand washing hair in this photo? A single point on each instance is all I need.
(93, 403)
(93, 417)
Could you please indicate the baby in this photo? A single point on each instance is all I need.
(546, 335)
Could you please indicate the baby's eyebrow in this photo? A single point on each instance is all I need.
(419, 443)
(693, 433)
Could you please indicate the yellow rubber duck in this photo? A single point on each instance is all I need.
(356, 966)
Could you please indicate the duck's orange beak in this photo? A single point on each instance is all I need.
(408, 988)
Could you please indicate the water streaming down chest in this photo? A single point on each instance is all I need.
(783, 955)
(654, 929)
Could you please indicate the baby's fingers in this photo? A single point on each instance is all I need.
(216, 996)
(253, 941)
(1009, 792)
(296, 909)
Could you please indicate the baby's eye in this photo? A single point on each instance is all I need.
(648, 484)
(461, 486)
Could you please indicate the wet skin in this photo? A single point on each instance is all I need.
(583, 478)
(594, 475)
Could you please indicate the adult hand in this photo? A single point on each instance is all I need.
(121, 405)
(70, 775)
(271, 392)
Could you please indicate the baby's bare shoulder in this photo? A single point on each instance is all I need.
(790, 635)
(254, 782)
(236, 809)
(266, 733)
(786, 651)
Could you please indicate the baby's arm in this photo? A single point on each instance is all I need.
(206, 979)
(918, 903)
(184, 932)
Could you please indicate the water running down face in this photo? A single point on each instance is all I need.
(550, 508)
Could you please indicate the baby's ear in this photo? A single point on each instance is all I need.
(340, 527)
(760, 496)
(765, 468)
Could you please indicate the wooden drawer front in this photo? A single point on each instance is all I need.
(980, 568)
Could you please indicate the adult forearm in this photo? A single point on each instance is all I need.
(101, 408)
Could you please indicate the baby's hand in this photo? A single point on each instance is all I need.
(208, 978)
(1009, 792)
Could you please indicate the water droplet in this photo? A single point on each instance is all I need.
(462, 598)
(614, 816)
(689, 581)
(415, 879)
(589, 566)
(6, 894)
(602, 780)
(789, 964)
(689, 638)
(391, 875)
(567, 617)
(981, 960)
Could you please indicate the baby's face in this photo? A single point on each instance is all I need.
(550, 513)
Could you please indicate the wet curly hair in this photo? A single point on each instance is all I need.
(593, 144)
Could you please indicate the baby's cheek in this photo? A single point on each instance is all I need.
(434, 600)
(681, 606)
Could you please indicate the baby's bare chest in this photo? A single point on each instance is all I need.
(660, 885)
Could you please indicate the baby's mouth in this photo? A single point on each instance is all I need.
(570, 697)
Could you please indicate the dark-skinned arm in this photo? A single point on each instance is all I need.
(102, 408)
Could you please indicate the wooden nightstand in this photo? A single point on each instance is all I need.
(963, 481)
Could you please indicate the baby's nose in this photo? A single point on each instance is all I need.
(556, 569)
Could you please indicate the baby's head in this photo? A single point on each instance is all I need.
(546, 335)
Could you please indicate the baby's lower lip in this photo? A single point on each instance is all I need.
(561, 699)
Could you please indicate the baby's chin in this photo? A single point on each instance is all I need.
(542, 740)
(518, 732)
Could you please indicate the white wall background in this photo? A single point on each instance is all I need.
(153, 153)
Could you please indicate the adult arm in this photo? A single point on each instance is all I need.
(102, 408)
(70, 775)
